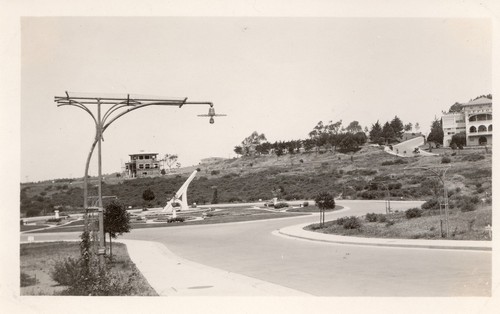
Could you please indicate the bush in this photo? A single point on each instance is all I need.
(85, 278)
(413, 213)
(340, 221)
(394, 162)
(381, 218)
(280, 205)
(473, 157)
(371, 217)
(32, 212)
(27, 280)
(445, 160)
(54, 220)
(389, 223)
(66, 272)
(352, 222)
(467, 206)
(176, 219)
(431, 204)
(305, 204)
(214, 172)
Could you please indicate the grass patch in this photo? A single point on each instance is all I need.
(32, 227)
(463, 226)
(37, 261)
(227, 215)
(311, 209)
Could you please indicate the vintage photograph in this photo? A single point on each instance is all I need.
(256, 156)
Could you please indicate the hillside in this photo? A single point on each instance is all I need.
(299, 176)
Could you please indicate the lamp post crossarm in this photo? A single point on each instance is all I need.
(78, 105)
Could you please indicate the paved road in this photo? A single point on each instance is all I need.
(326, 269)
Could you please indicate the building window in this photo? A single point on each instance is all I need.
(147, 166)
(472, 129)
(141, 157)
(141, 166)
(155, 166)
(146, 157)
(482, 128)
(145, 173)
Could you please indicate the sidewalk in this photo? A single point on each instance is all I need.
(297, 231)
(171, 275)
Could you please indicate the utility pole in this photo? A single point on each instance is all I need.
(440, 172)
(119, 106)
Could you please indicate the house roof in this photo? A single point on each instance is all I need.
(479, 101)
(143, 153)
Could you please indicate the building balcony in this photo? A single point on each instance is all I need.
(480, 133)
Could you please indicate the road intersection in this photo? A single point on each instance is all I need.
(249, 258)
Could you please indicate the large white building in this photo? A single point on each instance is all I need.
(475, 120)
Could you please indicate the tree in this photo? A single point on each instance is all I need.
(360, 138)
(354, 127)
(148, 195)
(459, 139)
(436, 135)
(238, 150)
(170, 160)
(388, 133)
(408, 127)
(348, 143)
(397, 127)
(376, 132)
(215, 197)
(116, 221)
(324, 134)
(456, 107)
(417, 126)
(324, 200)
(251, 141)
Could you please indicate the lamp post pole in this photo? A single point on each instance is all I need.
(119, 107)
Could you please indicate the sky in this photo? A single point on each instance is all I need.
(274, 75)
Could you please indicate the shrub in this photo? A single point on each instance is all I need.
(467, 206)
(352, 222)
(371, 217)
(27, 280)
(473, 157)
(32, 212)
(445, 160)
(394, 162)
(431, 204)
(381, 218)
(214, 172)
(305, 204)
(54, 220)
(176, 219)
(389, 223)
(340, 221)
(280, 205)
(413, 213)
(66, 272)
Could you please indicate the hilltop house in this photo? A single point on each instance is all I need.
(142, 164)
(475, 120)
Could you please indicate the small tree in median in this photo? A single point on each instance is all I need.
(116, 221)
(325, 201)
(148, 195)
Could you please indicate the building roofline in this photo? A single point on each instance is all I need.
(143, 153)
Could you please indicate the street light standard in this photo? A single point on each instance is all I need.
(119, 107)
(440, 172)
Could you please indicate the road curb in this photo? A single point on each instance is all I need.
(298, 232)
